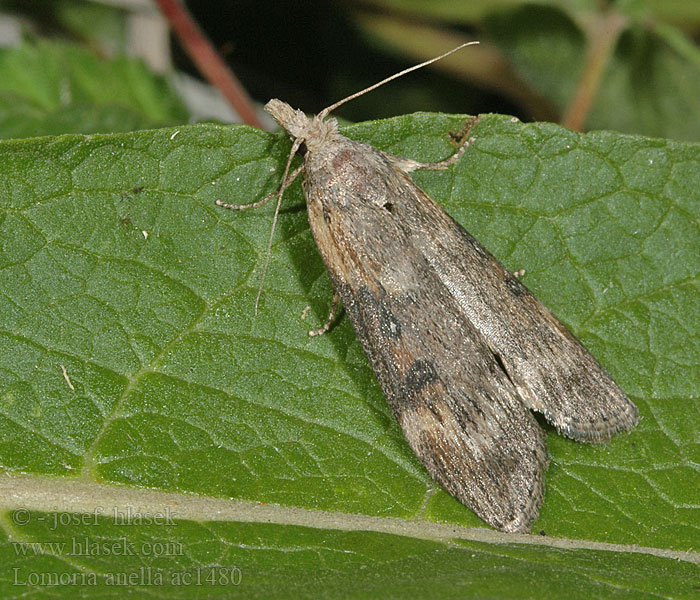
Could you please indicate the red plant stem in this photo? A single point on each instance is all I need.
(208, 60)
(602, 34)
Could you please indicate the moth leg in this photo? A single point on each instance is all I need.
(408, 165)
(292, 176)
(331, 317)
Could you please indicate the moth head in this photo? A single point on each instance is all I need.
(314, 131)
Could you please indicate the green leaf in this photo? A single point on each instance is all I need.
(48, 88)
(96, 24)
(117, 267)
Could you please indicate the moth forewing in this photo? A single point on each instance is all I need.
(461, 349)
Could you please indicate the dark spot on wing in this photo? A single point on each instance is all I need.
(389, 325)
(517, 288)
(420, 374)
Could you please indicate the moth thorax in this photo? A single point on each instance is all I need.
(317, 132)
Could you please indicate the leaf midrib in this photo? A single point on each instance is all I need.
(50, 494)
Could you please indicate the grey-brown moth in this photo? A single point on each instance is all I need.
(461, 349)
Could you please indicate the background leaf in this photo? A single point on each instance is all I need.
(116, 265)
(650, 85)
(51, 87)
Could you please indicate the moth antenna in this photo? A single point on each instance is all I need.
(326, 111)
(285, 182)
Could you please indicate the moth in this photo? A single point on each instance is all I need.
(461, 349)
